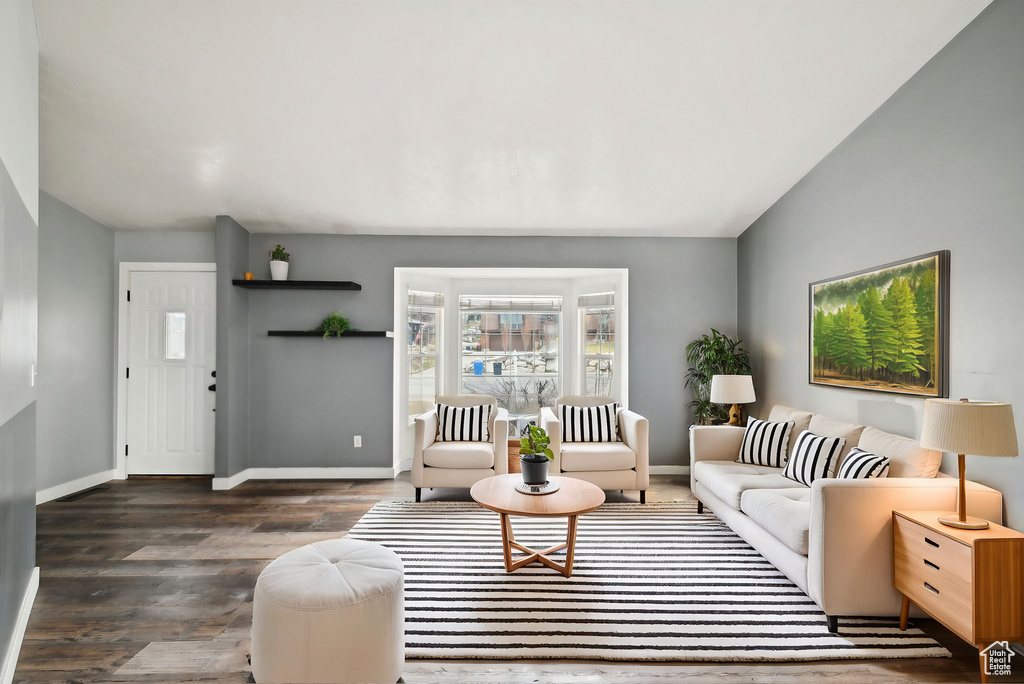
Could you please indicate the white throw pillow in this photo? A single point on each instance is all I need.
(590, 423)
(812, 457)
(860, 465)
(765, 443)
(464, 423)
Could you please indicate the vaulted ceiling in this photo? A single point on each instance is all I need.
(639, 117)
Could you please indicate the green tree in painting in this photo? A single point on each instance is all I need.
(877, 328)
(899, 300)
(924, 302)
(822, 337)
(849, 343)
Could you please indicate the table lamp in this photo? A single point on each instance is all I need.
(983, 428)
(732, 389)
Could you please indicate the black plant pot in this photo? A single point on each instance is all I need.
(535, 469)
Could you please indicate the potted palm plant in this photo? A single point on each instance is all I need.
(535, 456)
(708, 356)
(279, 260)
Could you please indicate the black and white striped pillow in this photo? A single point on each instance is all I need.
(590, 423)
(464, 423)
(812, 457)
(765, 443)
(860, 465)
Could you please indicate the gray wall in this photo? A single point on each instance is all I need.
(77, 345)
(232, 432)
(19, 249)
(190, 247)
(18, 303)
(938, 166)
(307, 397)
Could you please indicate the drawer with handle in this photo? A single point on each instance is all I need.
(935, 573)
(933, 551)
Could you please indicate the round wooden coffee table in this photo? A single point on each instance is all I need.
(573, 499)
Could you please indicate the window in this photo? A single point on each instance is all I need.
(421, 340)
(597, 325)
(509, 349)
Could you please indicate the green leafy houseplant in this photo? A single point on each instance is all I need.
(536, 443)
(334, 324)
(716, 354)
(278, 254)
(535, 455)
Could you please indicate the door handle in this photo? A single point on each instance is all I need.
(213, 387)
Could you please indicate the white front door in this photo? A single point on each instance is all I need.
(171, 365)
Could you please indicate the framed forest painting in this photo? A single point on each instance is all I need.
(884, 329)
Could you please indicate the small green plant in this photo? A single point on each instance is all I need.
(334, 324)
(708, 356)
(278, 254)
(536, 443)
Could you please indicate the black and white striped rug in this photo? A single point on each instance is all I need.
(652, 582)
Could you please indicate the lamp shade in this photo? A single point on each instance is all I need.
(732, 389)
(981, 428)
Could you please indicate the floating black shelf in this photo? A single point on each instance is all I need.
(315, 333)
(298, 284)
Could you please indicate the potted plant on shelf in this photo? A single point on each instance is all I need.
(334, 324)
(709, 356)
(279, 260)
(535, 456)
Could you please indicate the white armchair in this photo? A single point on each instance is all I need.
(459, 464)
(609, 465)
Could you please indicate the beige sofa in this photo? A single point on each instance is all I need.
(609, 465)
(833, 539)
(459, 464)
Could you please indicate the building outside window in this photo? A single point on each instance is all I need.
(597, 325)
(421, 337)
(509, 349)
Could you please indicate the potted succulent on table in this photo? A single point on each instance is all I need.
(279, 260)
(535, 456)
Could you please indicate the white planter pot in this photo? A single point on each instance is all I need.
(279, 270)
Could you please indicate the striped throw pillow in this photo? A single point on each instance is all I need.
(812, 457)
(765, 443)
(464, 423)
(590, 423)
(860, 465)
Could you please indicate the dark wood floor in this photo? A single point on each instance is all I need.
(152, 579)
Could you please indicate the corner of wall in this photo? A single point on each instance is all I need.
(232, 431)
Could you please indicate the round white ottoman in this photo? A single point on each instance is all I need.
(330, 612)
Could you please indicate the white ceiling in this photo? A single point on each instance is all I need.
(639, 117)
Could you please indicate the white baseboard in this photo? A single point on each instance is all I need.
(75, 486)
(404, 466)
(669, 470)
(21, 623)
(224, 483)
(341, 473)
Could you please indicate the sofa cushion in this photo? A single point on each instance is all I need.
(812, 457)
(728, 479)
(459, 455)
(590, 423)
(464, 423)
(907, 458)
(579, 458)
(785, 513)
(863, 465)
(801, 421)
(765, 443)
(827, 427)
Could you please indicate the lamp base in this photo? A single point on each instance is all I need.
(968, 524)
(735, 415)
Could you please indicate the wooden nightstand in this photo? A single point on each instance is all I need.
(972, 581)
